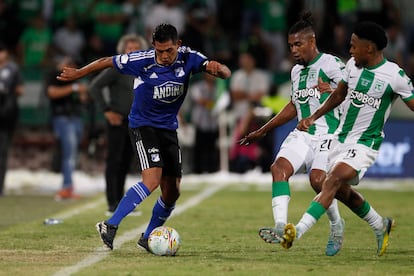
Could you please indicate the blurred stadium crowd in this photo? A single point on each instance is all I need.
(245, 35)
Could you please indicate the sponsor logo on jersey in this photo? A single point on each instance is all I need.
(359, 100)
(303, 95)
(154, 76)
(168, 92)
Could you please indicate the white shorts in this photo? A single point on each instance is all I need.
(306, 152)
(358, 156)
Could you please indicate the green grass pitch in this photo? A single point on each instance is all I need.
(219, 237)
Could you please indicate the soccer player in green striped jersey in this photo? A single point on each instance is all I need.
(370, 86)
(304, 150)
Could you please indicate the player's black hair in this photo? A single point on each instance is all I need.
(165, 32)
(373, 32)
(305, 23)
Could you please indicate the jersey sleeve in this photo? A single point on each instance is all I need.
(404, 86)
(349, 65)
(196, 60)
(337, 70)
(131, 63)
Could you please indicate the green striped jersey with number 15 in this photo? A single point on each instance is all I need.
(371, 92)
(306, 96)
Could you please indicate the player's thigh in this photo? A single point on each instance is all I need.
(171, 154)
(296, 148)
(321, 145)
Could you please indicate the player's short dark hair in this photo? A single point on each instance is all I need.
(306, 22)
(373, 32)
(165, 32)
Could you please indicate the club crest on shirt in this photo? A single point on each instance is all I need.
(179, 72)
(379, 86)
(312, 75)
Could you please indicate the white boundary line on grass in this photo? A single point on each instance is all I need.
(81, 209)
(100, 253)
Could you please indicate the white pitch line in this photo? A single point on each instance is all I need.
(81, 209)
(99, 253)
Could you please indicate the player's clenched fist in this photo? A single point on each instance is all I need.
(305, 123)
(68, 74)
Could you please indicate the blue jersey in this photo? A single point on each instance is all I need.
(159, 90)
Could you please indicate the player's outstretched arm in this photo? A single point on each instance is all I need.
(336, 97)
(285, 115)
(410, 104)
(217, 69)
(69, 74)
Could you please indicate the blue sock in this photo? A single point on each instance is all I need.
(134, 196)
(160, 214)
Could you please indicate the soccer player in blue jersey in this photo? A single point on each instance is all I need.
(161, 80)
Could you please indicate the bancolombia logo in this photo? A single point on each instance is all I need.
(359, 99)
(303, 95)
(168, 92)
(391, 157)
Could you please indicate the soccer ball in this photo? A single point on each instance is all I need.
(164, 241)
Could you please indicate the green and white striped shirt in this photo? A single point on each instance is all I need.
(306, 96)
(371, 93)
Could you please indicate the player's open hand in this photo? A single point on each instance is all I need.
(69, 74)
(305, 123)
(251, 137)
(324, 87)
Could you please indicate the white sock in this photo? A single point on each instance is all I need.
(280, 205)
(305, 223)
(374, 220)
(333, 213)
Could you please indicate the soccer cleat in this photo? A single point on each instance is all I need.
(336, 238)
(143, 243)
(289, 236)
(272, 235)
(107, 233)
(382, 238)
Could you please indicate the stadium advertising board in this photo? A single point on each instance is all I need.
(396, 155)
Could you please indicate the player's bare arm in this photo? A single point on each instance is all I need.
(217, 69)
(69, 73)
(285, 115)
(324, 87)
(410, 104)
(336, 97)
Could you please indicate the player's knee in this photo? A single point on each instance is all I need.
(278, 172)
(316, 181)
(170, 196)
